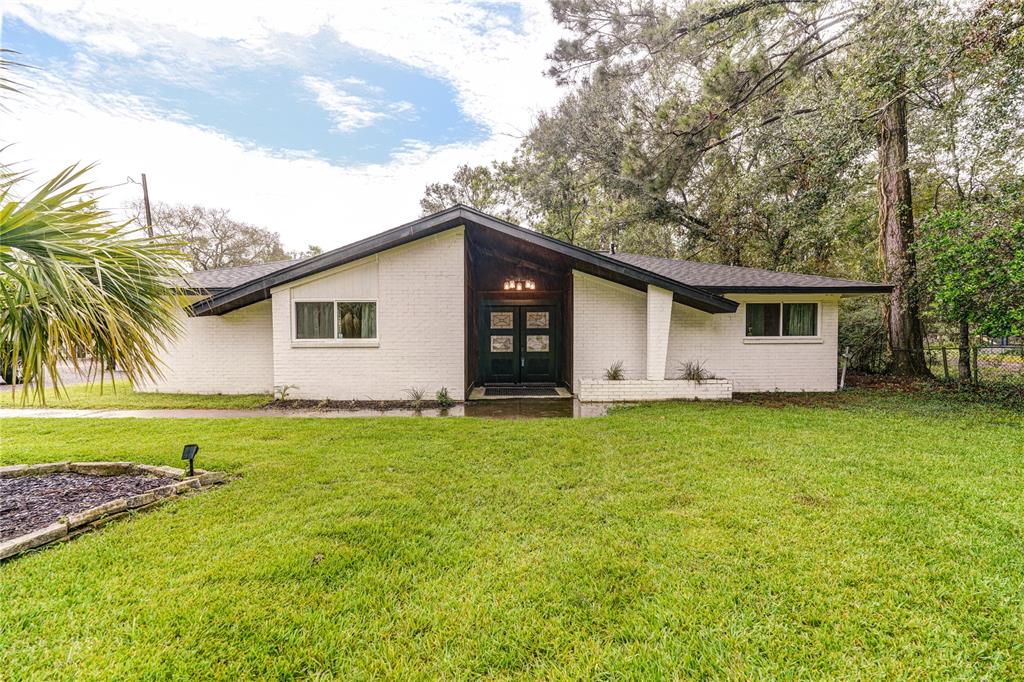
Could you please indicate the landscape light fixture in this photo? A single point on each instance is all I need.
(189, 453)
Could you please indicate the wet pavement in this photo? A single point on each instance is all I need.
(517, 408)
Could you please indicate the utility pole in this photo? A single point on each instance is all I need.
(145, 201)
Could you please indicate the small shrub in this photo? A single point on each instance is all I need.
(416, 396)
(615, 373)
(281, 392)
(443, 399)
(694, 370)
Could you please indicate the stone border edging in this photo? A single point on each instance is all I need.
(73, 525)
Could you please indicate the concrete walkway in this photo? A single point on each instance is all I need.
(59, 413)
(493, 409)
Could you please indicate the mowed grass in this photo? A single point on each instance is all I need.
(119, 394)
(669, 541)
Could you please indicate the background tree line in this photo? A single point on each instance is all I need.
(210, 238)
(876, 139)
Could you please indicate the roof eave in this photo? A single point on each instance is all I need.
(259, 288)
(841, 289)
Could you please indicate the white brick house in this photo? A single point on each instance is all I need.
(462, 300)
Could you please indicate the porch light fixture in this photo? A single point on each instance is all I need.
(519, 285)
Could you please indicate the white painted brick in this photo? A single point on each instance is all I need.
(230, 353)
(610, 324)
(420, 323)
(719, 342)
(659, 320)
(639, 390)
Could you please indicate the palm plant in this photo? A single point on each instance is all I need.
(75, 282)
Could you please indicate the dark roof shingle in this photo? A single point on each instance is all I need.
(731, 278)
(227, 278)
(697, 284)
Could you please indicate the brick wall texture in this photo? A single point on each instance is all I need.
(419, 290)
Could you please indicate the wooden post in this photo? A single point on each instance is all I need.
(945, 364)
(145, 201)
(977, 379)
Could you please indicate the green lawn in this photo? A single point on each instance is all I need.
(879, 540)
(120, 395)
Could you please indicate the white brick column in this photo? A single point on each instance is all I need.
(659, 320)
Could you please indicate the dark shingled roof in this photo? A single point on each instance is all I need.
(258, 289)
(228, 278)
(699, 285)
(732, 279)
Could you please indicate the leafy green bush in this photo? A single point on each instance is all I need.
(862, 329)
(443, 399)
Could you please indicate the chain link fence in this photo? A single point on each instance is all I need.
(991, 365)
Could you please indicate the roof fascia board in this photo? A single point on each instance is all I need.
(861, 289)
(260, 289)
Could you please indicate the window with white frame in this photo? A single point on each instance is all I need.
(330, 320)
(782, 319)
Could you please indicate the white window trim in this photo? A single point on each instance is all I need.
(296, 342)
(769, 340)
(780, 339)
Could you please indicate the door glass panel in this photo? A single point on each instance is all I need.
(501, 344)
(537, 320)
(501, 320)
(537, 343)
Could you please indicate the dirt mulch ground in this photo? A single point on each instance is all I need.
(31, 502)
(382, 405)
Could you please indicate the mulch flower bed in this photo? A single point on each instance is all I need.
(381, 405)
(45, 503)
(31, 502)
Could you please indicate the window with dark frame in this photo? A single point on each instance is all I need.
(335, 320)
(782, 319)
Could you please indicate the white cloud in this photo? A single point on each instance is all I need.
(351, 112)
(307, 200)
(495, 69)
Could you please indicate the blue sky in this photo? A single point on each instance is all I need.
(328, 99)
(256, 111)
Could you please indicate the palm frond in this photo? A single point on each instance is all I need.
(74, 282)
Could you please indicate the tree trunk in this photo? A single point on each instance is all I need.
(896, 223)
(964, 364)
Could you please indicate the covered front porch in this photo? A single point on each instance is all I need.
(531, 334)
(518, 318)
